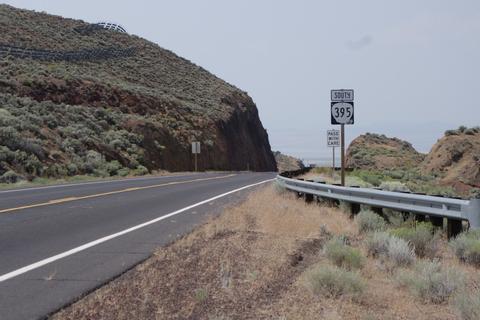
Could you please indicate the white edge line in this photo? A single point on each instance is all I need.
(70, 252)
(75, 184)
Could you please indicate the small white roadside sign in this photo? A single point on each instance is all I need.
(195, 147)
(341, 95)
(333, 138)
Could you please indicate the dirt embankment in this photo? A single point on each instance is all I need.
(287, 163)
(377, 152)
(456, 158)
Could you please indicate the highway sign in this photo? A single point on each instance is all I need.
(333, 138)
(195, 147)
(195, 151)
(341, 95)
(342, 113)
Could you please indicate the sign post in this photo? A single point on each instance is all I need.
(196, 151)
(342, 114)
(333, 140)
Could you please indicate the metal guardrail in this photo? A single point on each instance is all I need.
(452, 209)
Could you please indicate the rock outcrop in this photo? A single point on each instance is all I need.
(378, 152)
(287, 163)
(456, 158)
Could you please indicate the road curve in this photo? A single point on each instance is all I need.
(58, 243)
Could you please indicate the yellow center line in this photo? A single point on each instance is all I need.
(70, 199)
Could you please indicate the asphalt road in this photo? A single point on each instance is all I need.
(58, 243)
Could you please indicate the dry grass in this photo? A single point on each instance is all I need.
(252, 263)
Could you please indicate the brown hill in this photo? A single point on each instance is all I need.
(378, 152)
(456, 157)
(76, 100)
(287, 163)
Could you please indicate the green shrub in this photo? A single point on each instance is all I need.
(33, 166)
(356, 181)
(468, 305)
(343, 255)
(470, 132)
(422, 237)
(71, 145)
(112, 167)
(10, 177)
(399, 252)
(394, 186)
(72, 169)
(55, 171)
(395, 250)
(334, 282)
(451, 133)
(10, 137)
(373, 178)
(101, 173)
(431, 282)
(397, 218)
(369, 221)
(395, 174)
(377, 244)
(123, 172)
(432, 188)
(474, 193)
(467, 247)
(141, 171)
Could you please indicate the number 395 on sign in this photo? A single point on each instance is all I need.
(342, 113)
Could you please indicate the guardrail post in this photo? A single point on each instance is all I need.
(308, 197)
(454, 227)
(354, 209)
(405, 215)
(436, 221)
(474, 213)
(420, 217)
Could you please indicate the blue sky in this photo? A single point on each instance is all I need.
(414, 65)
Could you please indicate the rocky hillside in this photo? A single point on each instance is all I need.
(287, 163)
(456, 157)
(76, 100)
(378, 152)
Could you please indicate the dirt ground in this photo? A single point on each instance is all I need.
(250, 263)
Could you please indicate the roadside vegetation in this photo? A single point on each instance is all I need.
(405, 180)
(449, 169)
(38, 138)
(274, 256)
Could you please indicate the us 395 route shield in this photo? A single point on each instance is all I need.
(342, 112)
